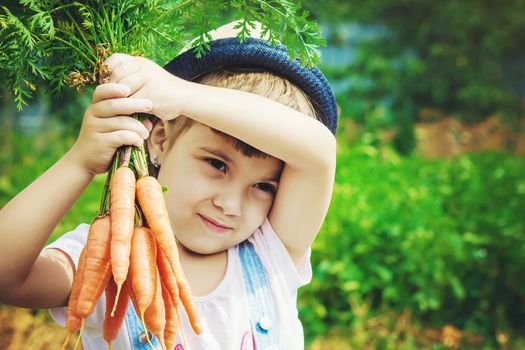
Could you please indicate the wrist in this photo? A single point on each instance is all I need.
(73, 160)
(180, 94)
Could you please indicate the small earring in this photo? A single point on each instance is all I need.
(155, 161)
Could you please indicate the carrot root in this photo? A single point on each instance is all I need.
(119, 287)
(112, 324)
(184, 344)
(79, 336)
(64, 345)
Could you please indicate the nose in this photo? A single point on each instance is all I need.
(229, 200)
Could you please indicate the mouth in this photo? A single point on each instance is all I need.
(214, 225)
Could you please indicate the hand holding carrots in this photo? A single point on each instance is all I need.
(107, 126)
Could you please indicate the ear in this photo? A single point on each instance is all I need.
(157, 142)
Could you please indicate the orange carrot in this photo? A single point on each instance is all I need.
(74, 321)
(122, 196)
(113, 321)
(142, 267)
(97, 269)
(172, 318)
(186, 296)
(155, 315)
(168, 277)
(151, 200)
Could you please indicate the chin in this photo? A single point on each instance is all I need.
(202, 249)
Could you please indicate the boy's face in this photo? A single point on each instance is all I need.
(217, 197)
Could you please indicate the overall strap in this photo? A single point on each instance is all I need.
(260, 302)
(137, 335)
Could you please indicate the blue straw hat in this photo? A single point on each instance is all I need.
(228, 52)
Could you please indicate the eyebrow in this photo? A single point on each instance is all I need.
(274, 178)
(217, 152)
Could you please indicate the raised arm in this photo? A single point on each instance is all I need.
(31, 279)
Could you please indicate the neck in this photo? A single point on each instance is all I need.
(203, 271)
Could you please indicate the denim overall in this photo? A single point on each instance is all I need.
(260, 304)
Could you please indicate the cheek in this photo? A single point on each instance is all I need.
(257, 211)
(185, 190)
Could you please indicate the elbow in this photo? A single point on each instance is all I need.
(319, 157)
(326, 156)
(9, 284)
(11, 276)
(332, 152)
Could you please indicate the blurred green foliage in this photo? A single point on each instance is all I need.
(444, 239)
(464, 58)
(24, 157)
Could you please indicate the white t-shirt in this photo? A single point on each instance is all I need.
(224, 311)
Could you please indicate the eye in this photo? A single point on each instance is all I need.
(217, 164)
(266, 187)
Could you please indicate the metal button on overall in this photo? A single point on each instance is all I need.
(143, 337)
(265, 323)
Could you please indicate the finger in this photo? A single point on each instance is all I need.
(121, 122)
(124, 70)
(110, 90)
(148, 124)
(121, 106)
(134, 81)
(123, 137)
(116, 59)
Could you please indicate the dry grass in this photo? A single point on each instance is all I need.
(35, 330)
(30, 330)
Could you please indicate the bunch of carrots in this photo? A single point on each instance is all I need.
(131, 254)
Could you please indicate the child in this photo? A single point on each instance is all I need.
(249, 171)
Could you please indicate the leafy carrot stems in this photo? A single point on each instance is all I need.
(64, 41)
